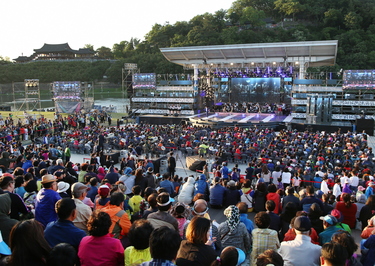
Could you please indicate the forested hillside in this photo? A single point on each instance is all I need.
(352, 22)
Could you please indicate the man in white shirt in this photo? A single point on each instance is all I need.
(300, 251)
(354, 181)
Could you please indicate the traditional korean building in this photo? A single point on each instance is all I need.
(57, 52)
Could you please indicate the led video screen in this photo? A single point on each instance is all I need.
(359, 80)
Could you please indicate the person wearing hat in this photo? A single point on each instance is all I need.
(83, 212)
(370, 189)
(63, 230)
(150, 178)
(46, 200)
(162, 217)
(62, 187)
(329, 225)
(300, 251)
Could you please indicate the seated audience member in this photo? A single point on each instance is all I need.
(62, 187)
(367, 232)
(369, 258)
(63, 230)
(162, 217)
(217, 194)
(27, 244)
(164, 245)
(139, 236)
(230, 256)
(99, 248)
(135, 201)
(243, 208)
(181, 212)
(153, 205)
(329, 224)
(308, 253)
(347, 241)
(17, 205)
(269, 257)
(93, 189)
(83, 212)
(337, 214)
(263, 237)
(62, 255)
(6, 223)
(46, 200)
(196, 249)
(233, 232)
(275, 219)
(120, 220)
(333, 254)
(102, 200)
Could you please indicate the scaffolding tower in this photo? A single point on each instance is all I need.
(26, 95)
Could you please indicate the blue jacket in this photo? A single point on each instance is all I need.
(201, 186)
(168, 185)
(217, 194)
(63, 231)
(225, 172)
(45, 206)
(249, 224)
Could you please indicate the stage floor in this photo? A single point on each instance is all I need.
(242, 117)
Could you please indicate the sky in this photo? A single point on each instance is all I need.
(28, 24)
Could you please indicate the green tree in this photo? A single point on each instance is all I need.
(289, 7)
(89, 46)
(352, 20)
(253, 16)
(104, 52)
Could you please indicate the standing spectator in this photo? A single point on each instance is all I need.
(46, 200)
(171, 164)
(99, 248)
(263, 238)
(286, 177)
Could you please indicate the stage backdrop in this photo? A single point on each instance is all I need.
(255, 89)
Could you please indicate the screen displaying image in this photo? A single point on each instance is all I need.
(255, 89)
(359, 79)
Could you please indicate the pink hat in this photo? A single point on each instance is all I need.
(360, 188)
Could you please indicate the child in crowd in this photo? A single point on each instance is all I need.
(181, 212)
(135, 201)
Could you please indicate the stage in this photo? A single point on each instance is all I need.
(259, 120)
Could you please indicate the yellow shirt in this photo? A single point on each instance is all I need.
(135, 256)
(134, 203)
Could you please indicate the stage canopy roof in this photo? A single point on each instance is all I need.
(314, 53)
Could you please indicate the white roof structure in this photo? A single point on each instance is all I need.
(314, 53)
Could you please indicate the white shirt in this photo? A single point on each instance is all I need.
(336, 190)
(354, 181)
(343, 179)
(300, 251)
(324, 187)
(285, 177)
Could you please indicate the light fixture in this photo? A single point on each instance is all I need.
(252, 63)
(231, 64)
(297, 63)
(274, 63)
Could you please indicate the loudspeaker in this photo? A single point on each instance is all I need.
(366, 125)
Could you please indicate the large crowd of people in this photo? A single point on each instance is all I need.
(309, 190)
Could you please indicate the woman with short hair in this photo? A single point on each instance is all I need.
(99, 248)
(197, 248)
